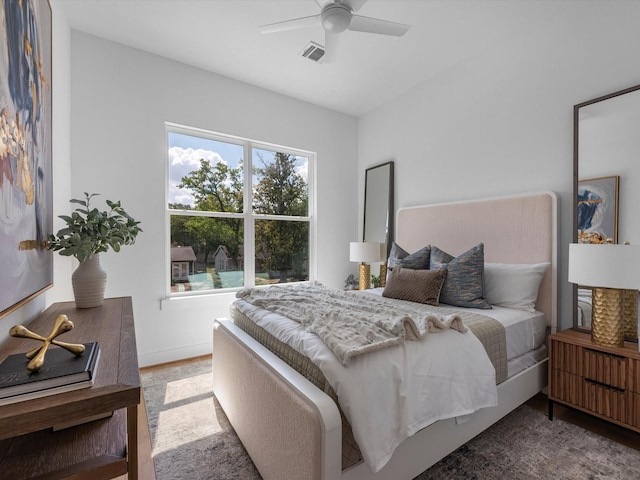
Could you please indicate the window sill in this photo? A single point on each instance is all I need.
(205, 300)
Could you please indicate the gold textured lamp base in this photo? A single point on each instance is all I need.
(631, 314)
(383, 274)
(607, 325)
(364, 280)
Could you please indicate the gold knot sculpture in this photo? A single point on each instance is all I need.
(36, 355)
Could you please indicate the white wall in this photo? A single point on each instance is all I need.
(60, 91)
(501, 123)
(120, 99)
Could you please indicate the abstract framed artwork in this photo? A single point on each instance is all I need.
(598, 209)
(26, 211)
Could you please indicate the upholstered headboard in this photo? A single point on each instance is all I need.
(518, 229)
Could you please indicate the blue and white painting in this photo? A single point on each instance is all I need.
(598, 210)
(26, 215)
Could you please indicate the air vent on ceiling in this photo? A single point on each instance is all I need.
(314, 52)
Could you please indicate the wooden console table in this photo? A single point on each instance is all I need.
(102, 449)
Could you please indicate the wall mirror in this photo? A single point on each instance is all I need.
(606, 151)
(378, 204)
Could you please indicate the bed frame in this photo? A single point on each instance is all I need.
(292, 430)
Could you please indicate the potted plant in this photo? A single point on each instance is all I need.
(89, 232)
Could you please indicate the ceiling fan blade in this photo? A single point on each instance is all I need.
(294, 24)
(374, 25)
(331, 41)
(354, 4)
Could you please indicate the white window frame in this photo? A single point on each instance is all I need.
(249, 218)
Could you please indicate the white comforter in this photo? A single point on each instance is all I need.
(390, 394)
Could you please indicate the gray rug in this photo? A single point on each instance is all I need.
(193, 440)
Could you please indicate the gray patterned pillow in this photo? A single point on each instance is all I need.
(399, 257)
(464, 285)
(421, 286)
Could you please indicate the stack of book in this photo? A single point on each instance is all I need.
(62, 372)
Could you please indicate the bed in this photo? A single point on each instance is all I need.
(293, 429)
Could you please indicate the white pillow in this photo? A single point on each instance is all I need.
(513, 285)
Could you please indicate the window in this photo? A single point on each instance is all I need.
(239, 212)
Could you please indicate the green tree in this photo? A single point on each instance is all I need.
(181, 234)
(281, 190)
(216, 188)
(278, 190)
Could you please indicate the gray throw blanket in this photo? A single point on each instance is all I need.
(349, 323)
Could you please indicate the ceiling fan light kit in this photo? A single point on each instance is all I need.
(335, 17)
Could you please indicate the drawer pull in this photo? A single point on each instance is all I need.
(595, 382)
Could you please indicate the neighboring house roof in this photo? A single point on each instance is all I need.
(224, 250)
(182, 254)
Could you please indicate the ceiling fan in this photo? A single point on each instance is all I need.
(336, 17)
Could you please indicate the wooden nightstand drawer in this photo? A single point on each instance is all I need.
(634, 376)
(567, 387)
(605, 368)
(566, 357)
(601, 380)
(634, 410)
(606, 401)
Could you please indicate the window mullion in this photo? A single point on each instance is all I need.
(249, 222)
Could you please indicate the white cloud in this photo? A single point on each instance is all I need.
(303, 171)
(183, 161)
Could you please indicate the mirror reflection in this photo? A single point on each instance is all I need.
(378, 204)
(606, 180)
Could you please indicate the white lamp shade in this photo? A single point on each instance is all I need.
(364, 252)
(383, 252)
(606, 266)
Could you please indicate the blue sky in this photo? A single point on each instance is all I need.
(185, 152)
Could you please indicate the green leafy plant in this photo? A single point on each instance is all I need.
(375, 281)
(90, 230)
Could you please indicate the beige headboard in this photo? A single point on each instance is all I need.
(518, 229)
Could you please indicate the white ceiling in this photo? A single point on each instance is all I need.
(366, 71)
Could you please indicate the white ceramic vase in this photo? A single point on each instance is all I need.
(89, 281)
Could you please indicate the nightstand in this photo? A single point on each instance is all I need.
(602, 381)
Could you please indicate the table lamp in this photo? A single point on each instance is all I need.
(611, 271)
(383, 265)
(364, 252)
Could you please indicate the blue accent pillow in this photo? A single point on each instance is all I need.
(399, 257)
(464, 283)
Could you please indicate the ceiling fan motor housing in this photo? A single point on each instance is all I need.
(335, 17)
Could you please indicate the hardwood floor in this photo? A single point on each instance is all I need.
(146, 469)
(588, 422)
(175, 363)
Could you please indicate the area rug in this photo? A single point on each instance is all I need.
(193, 440)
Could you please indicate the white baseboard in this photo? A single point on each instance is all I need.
(174, 354)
